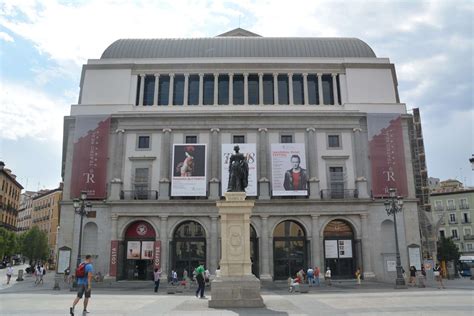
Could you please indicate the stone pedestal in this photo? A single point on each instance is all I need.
(214, 189)
(361, 186)
(115, 189)
(236, 286)
(164, 189)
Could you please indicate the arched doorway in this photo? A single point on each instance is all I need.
(339, 249)
(254, 252)
(139, 246)
(188, 247)
(289, 249)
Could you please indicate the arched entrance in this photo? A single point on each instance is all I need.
(254, 252)
(188, 247)
(289, 249)
(339, 249)
(138, 254)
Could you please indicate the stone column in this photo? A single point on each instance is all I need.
(260, 88)
(366, 254)
(201, 88)
(142, 89)
(186, 89)
(214, 237)
(314, 189)
(171, 90)
(290, 89)
(164, 248)
(214, 182)
(275, 88)
(316, 243)
(164, 185)
(320, 88)
(116, 182)
(231, 89)
(359, 160)
(263, 182)
(305, 89)
(265, 257)
(156, 89)
(334, 89)
(246, 89)
(216, 88)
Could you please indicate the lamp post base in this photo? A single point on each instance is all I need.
(400, 283)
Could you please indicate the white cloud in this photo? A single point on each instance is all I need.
(5, 37)
(30, 113)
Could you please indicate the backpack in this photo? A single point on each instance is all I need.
(81, 270)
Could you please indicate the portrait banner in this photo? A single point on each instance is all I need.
(133, 250)
(289, 174)
(387, 154)
(189, 170)
(250, 153)
(114, 244)
(89, 160)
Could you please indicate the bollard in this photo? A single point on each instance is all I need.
(20, 275)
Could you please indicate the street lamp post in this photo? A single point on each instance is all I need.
(393, 206)
(81, 207)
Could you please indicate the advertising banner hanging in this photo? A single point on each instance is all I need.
(133, 250)
(158, 254)
(250, 153)
(387, 154)
(289, 174)
(189, 170)
(114, 244)
(89, 161)
(147, 250)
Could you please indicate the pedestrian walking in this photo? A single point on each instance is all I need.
(327, 276)
(67, 272)
(438, 276)
(412, 276)
(316, 276)
(156, 277)
(174, 277)
(9, 273)
(358, 275)
(422, 280)
(84, 274)
(310, 276)
(38, 274)
(200, 280)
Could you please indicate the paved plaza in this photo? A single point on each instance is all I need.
(343, 298)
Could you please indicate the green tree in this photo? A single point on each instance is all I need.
(8, 243)
(447, 250)
(34, 244)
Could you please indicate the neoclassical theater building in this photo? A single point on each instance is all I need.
(321, 125)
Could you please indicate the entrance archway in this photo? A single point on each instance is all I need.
(254, 252)
(339, 254)
(188, 247)
(138, 251)
(289, 249)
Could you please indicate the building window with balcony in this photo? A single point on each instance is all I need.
(253, 89)
(465, 218)
(463, 205)
(238, 139)
(439, 205)
(452, 218)
(143, 142)
(238, 90)
(140, 184)
(193, 90)
(451, 206)
(454, 233)
(191, 139)
(334, 141)
(223, 90)
(336, 182)
(268, 89)
(286, 139)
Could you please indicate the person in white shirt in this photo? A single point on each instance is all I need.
(9, 273)
(327, 276)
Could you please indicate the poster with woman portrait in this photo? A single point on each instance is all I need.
(289, 173)
(133, 250)
(250, 153)
(189, 170)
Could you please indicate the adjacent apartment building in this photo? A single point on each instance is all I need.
(25, 211)
(9, 198)
(321, 124)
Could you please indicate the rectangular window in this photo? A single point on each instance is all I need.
(286, 139)
(223, 87)
(451, 205)
(208, 93)
(283, 97)
(463, 204)
(191, 139)
(253, 89)
(469, 246)
(137, 99)
(298, 93)
(164, 90)
(334, 141)
(268, 89)
(454, 233)
(149, 92)
(336, 178)
(238, 139)
(178, 90)
(193, 90)
(143, 142)
(338, 89)
(328, 96)
(141, 184)
(467, 231)
(465, 218)
(439, 205)
(452, 218)
(238, 89)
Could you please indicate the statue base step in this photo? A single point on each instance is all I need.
(238, 291)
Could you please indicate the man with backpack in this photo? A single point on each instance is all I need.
(84, 274)
(200, 280)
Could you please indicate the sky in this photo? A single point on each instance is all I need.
(43, 45)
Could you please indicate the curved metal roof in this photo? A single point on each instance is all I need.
(238, 47)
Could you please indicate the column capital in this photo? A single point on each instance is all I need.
(357, 129)
(215, 130)
(315, 216)
(114, 217)
(311, 129)
(305, 74)
(214, 218)
(201, 75)
(334, 75)
(246, 74)
(290, 75)
(166, 130)
(216, 74)
(319, 74)
(119, 130)
(263, 129)
(157, 75)
(186, 75)
(142, 75)
(364, 216)
(275, 74)
(164, 217)
(171, 75)
(260, 74)
(231, 74)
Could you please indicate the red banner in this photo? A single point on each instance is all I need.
(387, 154)
(114, 244)
(89, 162)
(158, 254)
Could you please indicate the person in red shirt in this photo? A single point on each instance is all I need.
(296, 178)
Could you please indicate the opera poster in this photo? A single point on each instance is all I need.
(147, 250)
(250, 153)
(133, 250)
(189, 170)
(289, 173)
(330, 249)
(387, 154)
(90, 155)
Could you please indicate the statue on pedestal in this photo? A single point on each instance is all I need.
(238, 172)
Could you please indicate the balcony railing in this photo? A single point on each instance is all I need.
(466, 221)
(439, 208)
(468, 237)
(139, 195)
(451, 207)
(339, 194)
(463, 206)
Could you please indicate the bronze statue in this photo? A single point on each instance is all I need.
(238, 172)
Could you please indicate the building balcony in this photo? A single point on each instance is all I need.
(463, 207)
(455, 238)
(439, 208)
(451, 208)
(339, 194)
(139, 195)
(468, 237)
(466, 221)
(453, 222)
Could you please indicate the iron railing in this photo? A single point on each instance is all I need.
(139, 195)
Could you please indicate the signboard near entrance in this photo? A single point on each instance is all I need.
(414, 257)
(147, 250)
(158, 254)
(114, 244)
(330, 249)
(133, 250)
(345, 248)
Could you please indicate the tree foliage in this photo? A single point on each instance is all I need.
(447, 250)
(34, 244)
(9, 244)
